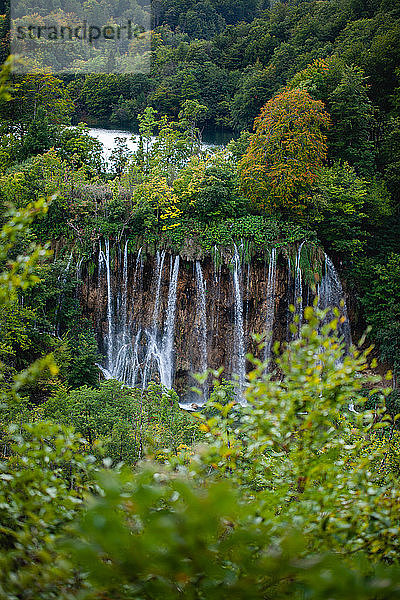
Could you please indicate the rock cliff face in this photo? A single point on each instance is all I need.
(164, 317)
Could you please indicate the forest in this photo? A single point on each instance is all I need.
(200, 346)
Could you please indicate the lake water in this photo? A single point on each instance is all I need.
(212, 140)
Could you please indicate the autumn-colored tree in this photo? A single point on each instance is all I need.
(285, 152)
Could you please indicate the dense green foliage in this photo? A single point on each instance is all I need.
(307, 483)
(123, 423)
(290, 495)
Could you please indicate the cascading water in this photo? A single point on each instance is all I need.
(239, 366)
(289, 286)
(153, 352)
(135, 304)
(101, 263)
(330, 295)
(78, 272)
(271, 292)
(159, 270)
(110, 329)
(135, 359)
(201, 320)
(125, 291)
(122, 362)
(167, 346)
(139, 263)
(104, 266)
(122, 358)
(298, 288)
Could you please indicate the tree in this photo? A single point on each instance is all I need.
(207, 189)
(352, 118)
(256, 85)
(172, 147)
(344, 91)
(147, 127)
(15, 322)
(285, 153)
(100, 91)
(338, 212)
(379, 282)
(120, 155)
(19, 274)
(43, 476)
(155, 194)
(39, 137)
(41, 469)
(165, 154)
(390, 157)
(191, 114)
(238, 147)
(78, 148)
(39, 92)
(319, 78)
(126, 422)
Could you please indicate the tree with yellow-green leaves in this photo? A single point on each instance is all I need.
(40, 91)
(207, 188)
(285, 153)
(156, 194)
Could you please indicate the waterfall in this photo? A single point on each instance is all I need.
(202, 319)
(138, 262)
(159, 269)
(288, 290)
(167, 347)
(135, 360)
(78, 272)
(122, 361)
(125, 291)
(330, 295)
(122, 366)
(160, 353)
(110, 329)
(298, 290)
(153, 352)
(101, 261)
(117, 346)
(239, 367)
(104, 266)
(144, 336)
(271, 292)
